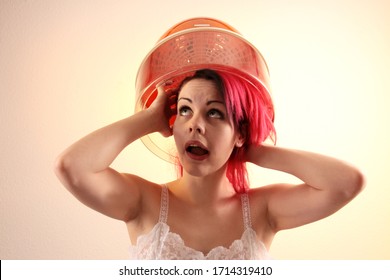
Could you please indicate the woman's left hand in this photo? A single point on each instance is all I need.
(327, 185)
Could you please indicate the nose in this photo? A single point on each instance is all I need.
(196, 125)
(196, 129)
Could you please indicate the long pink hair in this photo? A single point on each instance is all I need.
(252, 113)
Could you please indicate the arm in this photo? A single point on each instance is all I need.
(84, 168)
(328, 184)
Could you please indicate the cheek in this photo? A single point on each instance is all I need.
(225, 138)
(177, 133)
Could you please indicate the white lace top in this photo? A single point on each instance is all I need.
(161, 244)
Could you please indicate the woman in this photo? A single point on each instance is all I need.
(209, 212)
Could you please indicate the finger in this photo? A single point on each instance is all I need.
(161, 85)
(160, 88)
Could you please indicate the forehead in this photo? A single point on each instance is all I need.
(201, 89)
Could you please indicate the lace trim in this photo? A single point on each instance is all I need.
(246, 211)
(160, 243)
(164, 205)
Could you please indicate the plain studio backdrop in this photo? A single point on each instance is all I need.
(69, 67)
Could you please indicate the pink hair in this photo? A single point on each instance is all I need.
(251, 110)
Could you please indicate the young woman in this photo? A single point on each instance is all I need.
(209, 212)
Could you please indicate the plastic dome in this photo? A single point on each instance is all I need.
(191, 45)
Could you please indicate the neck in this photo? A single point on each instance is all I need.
(205, 190)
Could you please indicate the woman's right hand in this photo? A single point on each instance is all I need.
(164, 109)
(84, 167)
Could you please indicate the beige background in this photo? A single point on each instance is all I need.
(68, 67)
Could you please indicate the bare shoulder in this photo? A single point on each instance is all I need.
(148, 209)
(264, 192)
(149, 194)
(147, 189)
(289, 206)
(261, 195)
(259, 198)
(141, 183)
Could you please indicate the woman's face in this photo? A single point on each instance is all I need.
(203, 132)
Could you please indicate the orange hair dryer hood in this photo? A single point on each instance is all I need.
(191, 45)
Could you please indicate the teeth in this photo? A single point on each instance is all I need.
(195, 149)
(193, 146)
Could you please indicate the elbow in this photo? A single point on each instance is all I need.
(59, 167)
(64, 170)
(355, 183)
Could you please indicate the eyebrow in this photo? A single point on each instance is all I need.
(208, 102)
(184, 98)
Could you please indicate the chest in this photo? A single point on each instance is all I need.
(204, 228)
(200, 228)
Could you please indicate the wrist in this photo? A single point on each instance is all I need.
(148, 119)
(263, 155)
(157, 122)
(254, 153)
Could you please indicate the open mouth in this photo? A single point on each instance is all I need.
(196, 150)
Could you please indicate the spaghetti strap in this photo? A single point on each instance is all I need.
(162, 244)
(246, 213)
(164, 204)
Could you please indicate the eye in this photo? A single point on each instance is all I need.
(214, 113)
(184, 111)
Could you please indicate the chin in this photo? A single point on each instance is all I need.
(194, 171)
(200, 169)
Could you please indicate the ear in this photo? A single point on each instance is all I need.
(239, 143)
(241, 136)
